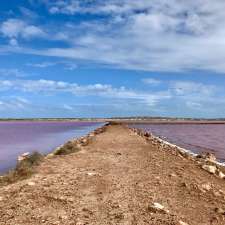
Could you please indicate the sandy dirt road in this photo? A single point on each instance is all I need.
(115, 180)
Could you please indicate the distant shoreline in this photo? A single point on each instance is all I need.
(177, 121)
(52, 120)
(123, 120)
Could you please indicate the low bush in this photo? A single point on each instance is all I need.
(66, 149)
(24, 169)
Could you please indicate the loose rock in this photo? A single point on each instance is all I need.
(209, 168)
(172, 175)
(91, 173)
(208, 156)
(220, 211)
(157, 207)
(182, 223)
(206, 187)
(221, 175)
(23, 156)
(30, 183)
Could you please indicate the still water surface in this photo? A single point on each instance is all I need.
(42, 136)
(198, 138)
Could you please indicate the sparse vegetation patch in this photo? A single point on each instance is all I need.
(24, 169)
(67, 148)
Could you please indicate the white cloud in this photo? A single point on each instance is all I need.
(197, 96)
(11, 73)
(66, 64)
(173, 98)
(12, 27)
(15, 28)
(63, 7)
(41, 65)
(68, 107)
(152, 81)
(13, 42)
(27, 13)
(13, 103)
(32, 31)
(100, 90)
(194, 105)
(155, 35)
(190, 95)
(192, 88)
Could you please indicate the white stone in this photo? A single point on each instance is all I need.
(221, 175)
(158, 207)
(182, 223)
(91, 174)
(173, 175)
(31, 183)
(23, 156)
(207, 187)
(209, 168)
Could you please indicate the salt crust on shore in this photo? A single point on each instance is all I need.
(168, 144)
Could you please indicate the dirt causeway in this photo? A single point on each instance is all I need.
(118, 178)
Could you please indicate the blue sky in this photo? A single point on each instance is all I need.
(83, 58)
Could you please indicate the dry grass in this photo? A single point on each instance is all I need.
(24, 169)
(66, 149)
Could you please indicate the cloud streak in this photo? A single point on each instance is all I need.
(13, 103)
(66, 64)
(172, 96)
(12, 73)
(100, 90)
(190, 93)
(144, 35)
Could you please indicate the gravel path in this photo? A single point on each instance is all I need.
(118, 178)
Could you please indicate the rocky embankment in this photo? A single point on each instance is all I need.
(117, 175)
(207, 161)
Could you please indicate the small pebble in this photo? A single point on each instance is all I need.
(31, 183)
(157, 207)
(182, 223)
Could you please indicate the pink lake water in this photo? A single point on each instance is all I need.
(198, 138)
(42, 136)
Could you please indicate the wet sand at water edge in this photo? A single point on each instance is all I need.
(119, 177)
